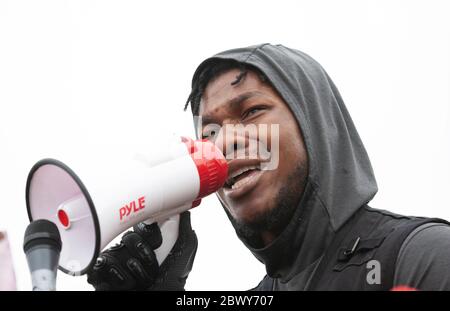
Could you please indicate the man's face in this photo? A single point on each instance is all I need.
(255, 193)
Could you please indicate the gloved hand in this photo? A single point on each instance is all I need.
(132, 264)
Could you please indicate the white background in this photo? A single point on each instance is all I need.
(77, 76)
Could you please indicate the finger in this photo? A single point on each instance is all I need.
(142, 262)
(151, 233)
(185, 222)
(108, 274)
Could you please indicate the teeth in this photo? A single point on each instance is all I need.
(243, 170)
(231, 181)
(241, 182)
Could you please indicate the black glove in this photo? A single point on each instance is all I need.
(132, 264)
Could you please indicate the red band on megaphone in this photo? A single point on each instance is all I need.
(211, 165)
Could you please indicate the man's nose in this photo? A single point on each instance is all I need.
(231, 142)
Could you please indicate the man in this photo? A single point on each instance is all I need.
(307, 220)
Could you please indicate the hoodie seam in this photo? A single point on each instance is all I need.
(252, 52)
(317, 193)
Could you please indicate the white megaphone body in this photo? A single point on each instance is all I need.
(94, 205)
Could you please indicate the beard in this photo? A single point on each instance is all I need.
(277, 218)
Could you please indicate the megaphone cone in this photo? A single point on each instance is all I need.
(118, 199)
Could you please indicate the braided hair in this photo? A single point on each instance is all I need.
(214, 70)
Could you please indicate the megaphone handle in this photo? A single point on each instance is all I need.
(169, 231)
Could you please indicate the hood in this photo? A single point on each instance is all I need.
(340, 180)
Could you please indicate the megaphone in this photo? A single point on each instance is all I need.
(96, 204)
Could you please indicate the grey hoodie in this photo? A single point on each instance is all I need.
(341, 179)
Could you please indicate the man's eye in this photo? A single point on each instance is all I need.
(252, 111)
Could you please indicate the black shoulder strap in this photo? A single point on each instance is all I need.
(331, 251)
(389, 247)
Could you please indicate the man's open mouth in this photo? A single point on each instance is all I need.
(240, 176)
(243, 177)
